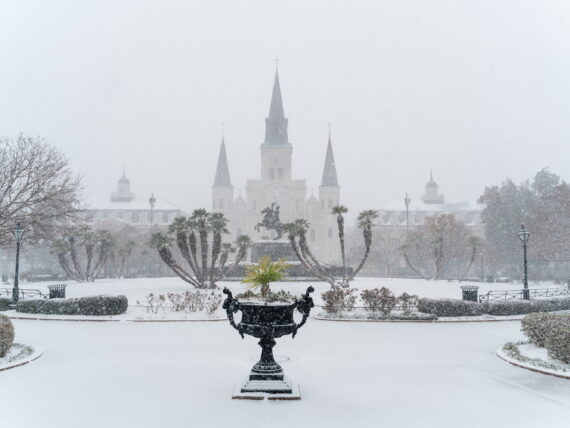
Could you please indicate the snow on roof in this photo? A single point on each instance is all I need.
(135, 204)
(419, 205)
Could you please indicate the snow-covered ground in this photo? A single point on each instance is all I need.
(137, 289)
(351, 375)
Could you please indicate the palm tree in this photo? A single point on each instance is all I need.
(217, 224)
(339, 211)
(262, 274)
(243, 243)
(365, 221)
(200, 218)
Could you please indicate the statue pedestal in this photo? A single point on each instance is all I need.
(267, 389)
(275, 249)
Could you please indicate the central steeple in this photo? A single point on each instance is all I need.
(276, 122)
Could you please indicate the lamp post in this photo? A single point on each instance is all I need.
(152, 202)
(18, 234)
(523, 236)
(407, 201)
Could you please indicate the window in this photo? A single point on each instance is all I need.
(280, 172)
(330, 203)
(330, 232)
(271, 173)
(312, 234)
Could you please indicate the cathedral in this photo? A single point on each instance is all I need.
(276, 184)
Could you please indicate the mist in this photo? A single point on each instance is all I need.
(476, 91)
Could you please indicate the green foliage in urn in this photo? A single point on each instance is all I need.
(260, 275)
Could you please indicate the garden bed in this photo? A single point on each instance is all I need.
(19, 355)
(134, 313)
(531, 357)
(363, 315)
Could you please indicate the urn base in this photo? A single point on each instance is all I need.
(267, 389)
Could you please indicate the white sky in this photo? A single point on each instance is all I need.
(476, 90)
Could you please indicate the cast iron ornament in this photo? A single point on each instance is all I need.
(267, 322)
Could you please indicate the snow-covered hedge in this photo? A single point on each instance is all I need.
(536, 326)
(551, 331)
(461, 308)
(6, 334)
(338, 300)
(4, 303)
(520, 307)
(449, 307)
(94, 305)
(557, 341)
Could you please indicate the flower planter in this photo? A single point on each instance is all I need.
(267, 321)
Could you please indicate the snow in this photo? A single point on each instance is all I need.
(137, 289)
(533, 357)
(365, 375)
(121, 374)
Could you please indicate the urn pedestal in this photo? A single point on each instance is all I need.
(267, 321)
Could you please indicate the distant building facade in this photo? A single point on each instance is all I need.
(276, 184)
(123, 207)
(429, 204)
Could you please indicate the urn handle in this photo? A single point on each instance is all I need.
(304, 306)
(231, 306)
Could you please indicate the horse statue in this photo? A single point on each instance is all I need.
(271, 220)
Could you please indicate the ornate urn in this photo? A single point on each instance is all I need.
(267, 321)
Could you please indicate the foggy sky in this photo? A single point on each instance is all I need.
(476, 90)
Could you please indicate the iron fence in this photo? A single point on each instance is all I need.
(24, 292)
(534, 293)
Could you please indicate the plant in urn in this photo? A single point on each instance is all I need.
(267, 315)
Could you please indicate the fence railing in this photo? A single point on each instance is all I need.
(24, 292)
(534, 293)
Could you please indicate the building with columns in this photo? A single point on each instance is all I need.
(276, 184)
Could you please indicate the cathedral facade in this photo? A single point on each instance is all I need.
(276, 184)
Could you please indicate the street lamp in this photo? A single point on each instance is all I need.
(152, 202)
(18, 234)
(523, 236)
(407, 201)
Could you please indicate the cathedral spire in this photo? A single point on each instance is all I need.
(276, 122)
(222, 171)
(329, 170)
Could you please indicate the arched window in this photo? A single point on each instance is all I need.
(330, 203)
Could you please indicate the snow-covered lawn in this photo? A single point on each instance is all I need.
(532, 357)
(351, 374)
(137, 289)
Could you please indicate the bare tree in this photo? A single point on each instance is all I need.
(37, 188)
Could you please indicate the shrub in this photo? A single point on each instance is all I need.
(557, 341)
(536, 326)
(93, 305)
(338, 299)
(379, 299)
(449, 307)
(195, 301)
(5, 303)
(408, 301)
(520, 307)
(271, 296)
(6, 334)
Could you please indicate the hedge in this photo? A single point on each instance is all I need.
(536, 326)
(461, 308)
(94, 305)
(6, 334)
(5, 303)
(449, 307)
(551, 331)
